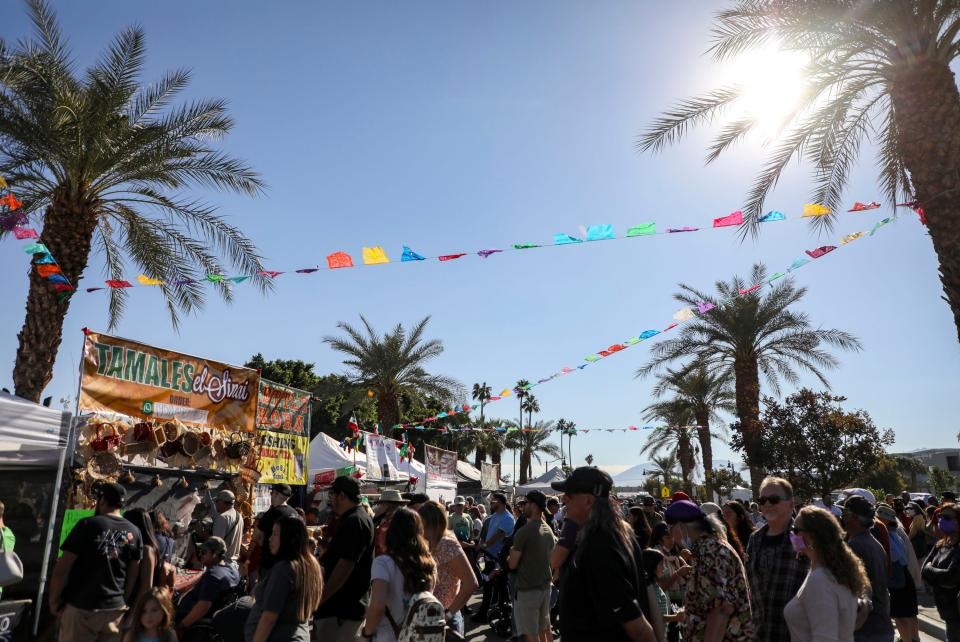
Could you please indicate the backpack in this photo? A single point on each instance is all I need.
(424, 621)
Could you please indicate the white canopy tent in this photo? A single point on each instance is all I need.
(326, 454)
(542, 483)
(31, 435)
(467, 471)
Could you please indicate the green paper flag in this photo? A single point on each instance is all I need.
(524, 246)
(591, 358)
(36, 248)
(632, 340)
(645, 229)
(214, 278)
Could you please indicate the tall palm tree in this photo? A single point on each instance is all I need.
(103, 164)
(665, 467)
(704, 393)
(561, 428)
(392, 365)
(571, 432)
(878, 72)
(481, 392)
(589, 460)
(495, 443)
(750, 334)
(530, 405)
(676, 437)
(530, 444)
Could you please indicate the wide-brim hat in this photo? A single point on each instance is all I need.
(391, 496)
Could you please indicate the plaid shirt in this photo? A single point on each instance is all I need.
(776, 573)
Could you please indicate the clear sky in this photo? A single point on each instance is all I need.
(459, 126)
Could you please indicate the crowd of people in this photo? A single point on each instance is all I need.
(584, 565)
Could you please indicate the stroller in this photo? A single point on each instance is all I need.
(493, 574)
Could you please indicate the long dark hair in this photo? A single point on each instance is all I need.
(743, 527)
(659, 531)
(638, 520)
(141, 519)
(605, 519)
(307, 579)
(161, 525)
(408, 548)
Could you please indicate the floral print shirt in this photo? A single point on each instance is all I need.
(718, 579)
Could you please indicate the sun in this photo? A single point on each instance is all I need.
(773, 83)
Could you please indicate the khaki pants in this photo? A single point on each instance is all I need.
(81, 625)
(331, 629)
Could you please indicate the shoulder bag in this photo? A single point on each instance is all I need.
(11, 568)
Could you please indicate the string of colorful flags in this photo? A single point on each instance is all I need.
(11, 220)
(681, 316)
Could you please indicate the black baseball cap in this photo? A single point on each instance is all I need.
(283, 489)
(348, 486)
(538, 498)
(585, 480)
(859, 506)
(113, 493)
(648, 501)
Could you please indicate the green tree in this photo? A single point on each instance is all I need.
(104, 165)
(289, 372)
(704, 393)
(589, 460)
(812, 441)
(884, 474)
(531, 406)
(749, 334)
(878, 72)
(941, 481)
(530, 444)
(335, 398)
(392, 366)
(481, 393)
(723, 481)
(911, 467)
(676, 437)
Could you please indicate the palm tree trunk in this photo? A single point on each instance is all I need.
(706, 443)
(388, 408)
(68, 233)
(747, 383)
(479, 455)
(926, 107)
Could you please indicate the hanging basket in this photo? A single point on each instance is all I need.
(103, 465)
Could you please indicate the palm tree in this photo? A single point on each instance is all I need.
(561, 428)
(912, 467)
(878, 72)
(589, 460)
(665, 467)
(750, 334)
(676, 437)
(570, 430)
(530, 405)
(495, 443)
(103, 163)
(704, 393)
(481, 393)
(531, 443)
(392, 365)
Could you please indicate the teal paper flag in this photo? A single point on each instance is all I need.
(644, 229)
(45, 259)
(600, 232)
(797, 263)
(238, 279)
(772, 216)
(565, 239)
(880, 224)
(778, 275)
(36, 248)
(646, 334)
(410, 255)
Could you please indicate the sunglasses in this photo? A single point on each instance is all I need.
(796, 530)
(772, 499)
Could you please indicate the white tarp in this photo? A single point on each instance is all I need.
(383, 458)
(542, 483)
(326, 454)
(467, 471)
(31, 434)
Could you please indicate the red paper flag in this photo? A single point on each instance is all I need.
(616, 348)
(270, 274)
(339, 260)
(63, 287)
(820, 251)
(670, 327)
(47, 270)
(10, 201)
(750, 289)
(604, 353)
(118, 284)
(450, 257)
(731, 219)
(863, 207)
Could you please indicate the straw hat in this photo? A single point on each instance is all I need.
(391, 496)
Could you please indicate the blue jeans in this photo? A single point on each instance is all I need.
(456, 622)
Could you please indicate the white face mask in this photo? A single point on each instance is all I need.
(685, 540)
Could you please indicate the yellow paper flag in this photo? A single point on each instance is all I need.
(3, 183)
(812, 209)
(146, 280)
(850, 237)
(506, 393)
(374, 255)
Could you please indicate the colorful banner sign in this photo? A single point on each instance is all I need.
(383, 458)
(281, 408)
(138, 380)
(324, 479)
(441, 465)
(282, 458)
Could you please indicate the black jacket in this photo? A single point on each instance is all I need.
(941, 570)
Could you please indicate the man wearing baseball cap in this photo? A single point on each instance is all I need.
(279, 495)
(858, 517)
(530, 558)
(499, 526)
(227, 521)
(95, 577)
(459, 523)
(604, 593)
(219, 579)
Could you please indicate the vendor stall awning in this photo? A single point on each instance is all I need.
(31, 434)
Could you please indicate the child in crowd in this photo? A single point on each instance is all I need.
(653, 561)
(152, 618)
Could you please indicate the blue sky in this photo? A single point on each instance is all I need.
(459, 126)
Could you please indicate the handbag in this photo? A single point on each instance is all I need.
(11, 568)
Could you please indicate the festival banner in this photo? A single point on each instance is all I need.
(325, 479)
(441, 465)
(489, 476)
(282, 458)
(139, 380)
(284, 409)
(383, 458)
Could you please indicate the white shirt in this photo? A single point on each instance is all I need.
(822, 610)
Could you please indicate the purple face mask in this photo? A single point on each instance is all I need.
(799, 545)
(947, 526)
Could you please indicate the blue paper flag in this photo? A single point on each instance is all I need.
(410, 255)
(58, 278)
(600, 232)
(565, 239)
(46, 259)
(646, 334)
(772, 216)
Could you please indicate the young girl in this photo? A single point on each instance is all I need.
(152, 618)
(653, 564)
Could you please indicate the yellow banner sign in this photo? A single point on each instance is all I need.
(139, 380)
(282, 458)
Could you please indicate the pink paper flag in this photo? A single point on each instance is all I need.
(863, 207)
(731, 219)
(450, 257)
(271, 274)
(751, 289)
(25, 233)
(820, 251)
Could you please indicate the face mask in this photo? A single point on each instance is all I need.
(685, 540)
(947, 525)
(798, 544)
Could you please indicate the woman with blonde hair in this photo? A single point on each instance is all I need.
(455, 579)
(825, 607)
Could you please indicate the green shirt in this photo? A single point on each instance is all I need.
(9, 541)
(535, 541)
(461, 525)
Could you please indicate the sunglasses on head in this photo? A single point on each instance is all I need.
(772, 499)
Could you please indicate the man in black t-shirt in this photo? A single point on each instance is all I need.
(94, 579)
(219, 579)
(346, 566)
(279, 494)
